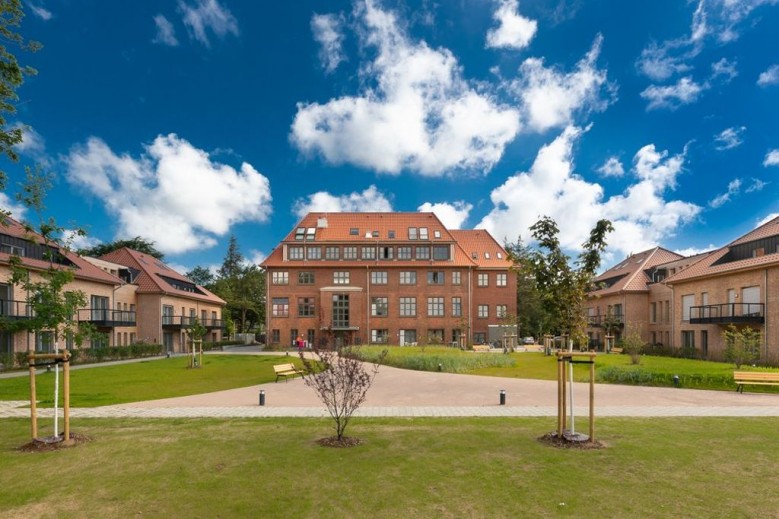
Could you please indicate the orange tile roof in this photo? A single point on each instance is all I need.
(481, 248)
(150, 279)
(770, 228)
(631, 271)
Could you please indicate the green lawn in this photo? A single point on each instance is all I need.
(149, 380)
(410, 468)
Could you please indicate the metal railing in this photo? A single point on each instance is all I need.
(10, 309)
(728, 313)
(107, 318)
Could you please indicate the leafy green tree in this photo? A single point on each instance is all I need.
(242, 287)
(742, 346)
(201, 276)
(140, 244)
(11, 76)
(532, 316)
(562, 286)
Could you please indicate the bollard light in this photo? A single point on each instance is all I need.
(262, 397)
(676, 380)
(440, 366)
(502, 397)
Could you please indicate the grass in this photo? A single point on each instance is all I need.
(149, 380)
(411, 468)
(653, 370)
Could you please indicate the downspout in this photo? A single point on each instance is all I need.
(765, 314)
(470, 305)
(368, 303)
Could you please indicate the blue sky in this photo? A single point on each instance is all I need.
(187, 121)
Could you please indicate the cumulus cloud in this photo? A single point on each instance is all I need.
(16, 209)
(685, 91)
(328, 32)
(451, 215)
(75, 240)
(173, 195)
(771, 158)
(734, 186)
(33, 144)
(612, 168)
(514, 31)
(729, 138)
(694, 251)
(769, 77)
(370, 200)
(641, 215)
(550, 98)
(419, 113)
(767, 219)
(208, 15)
(165, 34)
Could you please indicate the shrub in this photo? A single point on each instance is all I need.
(449, 361)
(742, 346)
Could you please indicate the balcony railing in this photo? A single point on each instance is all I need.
(107, 318)
(599, 321)
(15, 310)
(728, 313)
(185, 321)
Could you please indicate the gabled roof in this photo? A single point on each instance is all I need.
(338, 227)
(481, 248)
(156, 278)
(630, 275)
(715, 264)
(82, 269)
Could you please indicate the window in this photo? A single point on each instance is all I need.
(314, 253)
(354, 231)
(653, 313)
(379, 307)
(412, 233)
(306, 307)
(435, 336)
(486, 255)
(437, 234)
(479, 338)
(385, 253)
(423, 233)
(483, 311)
(280, 307)
(310, 336)
(378, 278)
(423, 253)
(688, 339)
(704, 342)
(332, 253)
(408, 306)
(408, 277)
(379, 336)
(501, 311)
(483, 280)
(280, 278)
(296, 253)
(404, 253)
(687, 302)
(435, 277)
(341, 278)
(340, 311)
(368, 253)
(456, 278)
(441, 252)
(457, 307)
(350, 253)
(305, 278)
(275, 336)
(390, 234)
(501, 279)
(293, 335)
(435, 306)
(300, 233)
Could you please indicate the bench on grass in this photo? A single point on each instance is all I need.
(761, 378)
(286, 370)
(481, 347)
(616, 350)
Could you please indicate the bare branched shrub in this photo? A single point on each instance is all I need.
(340, 381)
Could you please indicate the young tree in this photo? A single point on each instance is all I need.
(140, 244)
(564, 288)
(341, 382)
(742, 346)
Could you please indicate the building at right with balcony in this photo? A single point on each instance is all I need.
(736, 285)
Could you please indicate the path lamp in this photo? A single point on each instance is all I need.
(502, 397)
(262, 397)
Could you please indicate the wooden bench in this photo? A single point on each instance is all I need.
(286, 370)
(615, 350)
(761, 378)
(481, 347)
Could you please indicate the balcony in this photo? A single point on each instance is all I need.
(603, 321)
(177, 322)
(105, 318)
(729, 313)
(15, 310)
(213, 324)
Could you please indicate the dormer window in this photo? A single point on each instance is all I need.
(391, 234)
(354, 231)
(300, 233)
(423, 233)
(412, 233)
(437, 234)
(311, 233)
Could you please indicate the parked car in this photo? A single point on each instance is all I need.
(528, 340)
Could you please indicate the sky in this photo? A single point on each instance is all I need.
(186, 122)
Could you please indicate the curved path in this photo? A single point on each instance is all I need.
(398, 392)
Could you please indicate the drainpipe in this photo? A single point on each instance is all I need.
(469, 336)
(765, 314)
(368, 303)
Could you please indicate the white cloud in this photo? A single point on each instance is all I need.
(76, 241)
(328, 32)
(32, 143)
(724, 68)
(658, 61)
(514, 31)
(734, 186)
(166, 34)
(173, 195)
(41, 12)
(729, 138)
(451, 215)
(771, 158)
(685, 91)
(208, 15)
(420, 114)
(756, 185)
(255, 258)
(612, 168)
(640, 215)
(694, 251)
(370, 200)
(551, 98)
(16, 209)
(767, 219)
(769, 77)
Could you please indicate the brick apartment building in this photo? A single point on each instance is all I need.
(688, 302)
(130, 296)
(386, 278)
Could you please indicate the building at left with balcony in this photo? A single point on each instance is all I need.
(131, 297)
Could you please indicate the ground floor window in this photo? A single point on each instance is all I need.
(479, 337)
(6, 343)
(435, 336)
(688, 339)
(705, 342)
(275, 336)
(167, 341)
(408, 337)
(379, 336)
(310, 337)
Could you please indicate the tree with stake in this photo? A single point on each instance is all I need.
(341, 382)
(742, 346)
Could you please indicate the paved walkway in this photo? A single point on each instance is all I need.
(398, 392)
